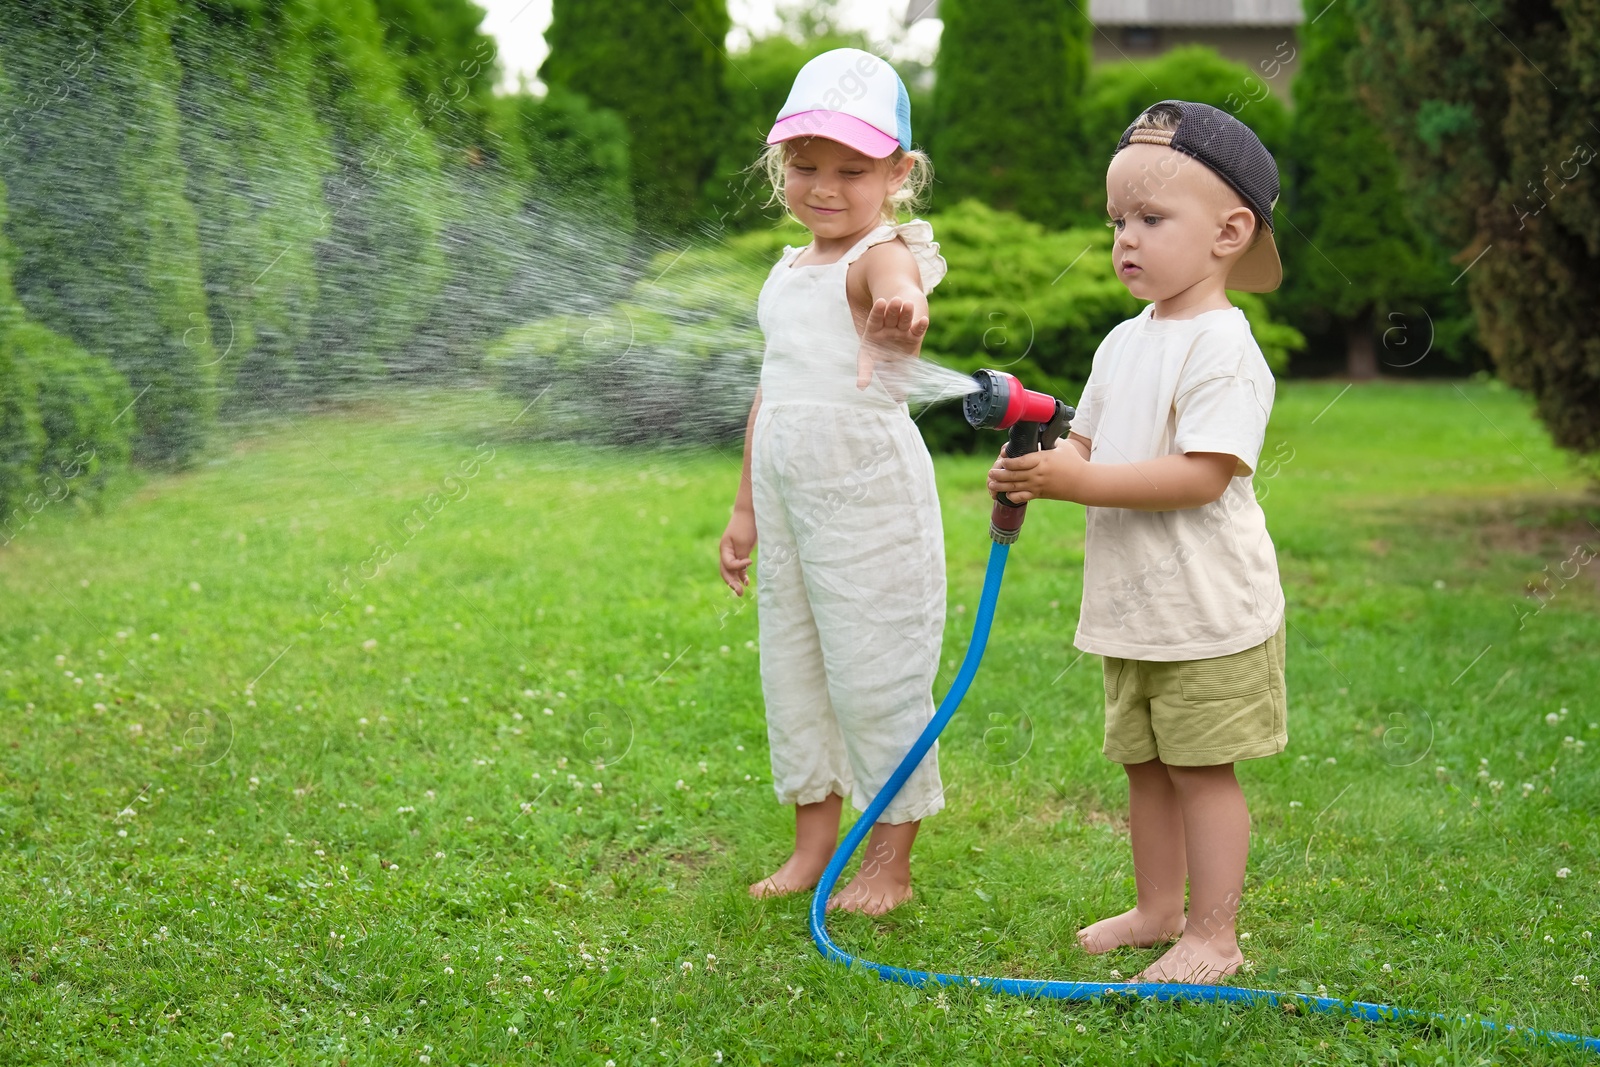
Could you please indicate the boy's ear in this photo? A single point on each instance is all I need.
(1239, 231)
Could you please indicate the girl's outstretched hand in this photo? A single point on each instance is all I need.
(738, 541)
(893, 332)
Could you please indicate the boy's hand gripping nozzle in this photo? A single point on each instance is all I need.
(1036, 421)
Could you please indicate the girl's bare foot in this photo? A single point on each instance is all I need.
(816, 831)
(798, 873)
(1132, 927)
(1194, 961)
(884, 880)
(872, 894)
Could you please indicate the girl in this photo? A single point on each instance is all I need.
(837, 482)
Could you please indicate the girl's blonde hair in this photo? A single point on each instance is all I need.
(774, 162)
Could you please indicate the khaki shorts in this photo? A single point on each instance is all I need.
(1199, 712)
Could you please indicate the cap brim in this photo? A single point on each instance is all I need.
(1259, 270)
(835, 126)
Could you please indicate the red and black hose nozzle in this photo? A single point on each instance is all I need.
(1036, 421)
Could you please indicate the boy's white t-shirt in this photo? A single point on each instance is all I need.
(1195, 582)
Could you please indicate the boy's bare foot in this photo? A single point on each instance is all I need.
(1132, 927)
(797, 874)
(1193, 961)
(872, 895)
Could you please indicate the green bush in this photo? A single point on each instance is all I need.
(579, 156)
(379, 261)
(678, 359)
(659, 66)
(1355, 256)
(1008, 98)
(22, 437)
(105, 244)
(448, 66)
(676, 362)
(1502, 167)
(255, 157)
(79, 398)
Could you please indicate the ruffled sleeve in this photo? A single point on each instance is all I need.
(918, 236)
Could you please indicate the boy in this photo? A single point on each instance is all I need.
(1180, 580)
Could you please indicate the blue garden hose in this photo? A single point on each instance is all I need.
(1079, 991)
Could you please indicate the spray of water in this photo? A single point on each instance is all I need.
(337, 255)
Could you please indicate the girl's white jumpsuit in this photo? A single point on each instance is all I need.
(850, 549)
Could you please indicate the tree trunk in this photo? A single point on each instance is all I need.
(1361, 359)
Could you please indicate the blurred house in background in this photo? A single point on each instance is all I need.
(1261, 34)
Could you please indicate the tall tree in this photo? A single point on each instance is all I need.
(21, 435)
(660, 66)
(1354, 251)
(106, 245)
(1006, 103)
(256, 157)
(1490, 108)
(379, 260)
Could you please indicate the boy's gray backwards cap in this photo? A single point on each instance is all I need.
(1231, 149)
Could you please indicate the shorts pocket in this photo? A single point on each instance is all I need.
(1240, 674)
(1113, 675)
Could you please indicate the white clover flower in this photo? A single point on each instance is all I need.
(1388, 968)
(1082, 1029)
(1552, 718)
(1563, 872)
(512, 1030)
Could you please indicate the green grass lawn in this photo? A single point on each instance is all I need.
(504, 805)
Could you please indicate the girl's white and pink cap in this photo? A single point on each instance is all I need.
(849, 96)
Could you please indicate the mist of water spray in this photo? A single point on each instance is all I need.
(335, 259)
